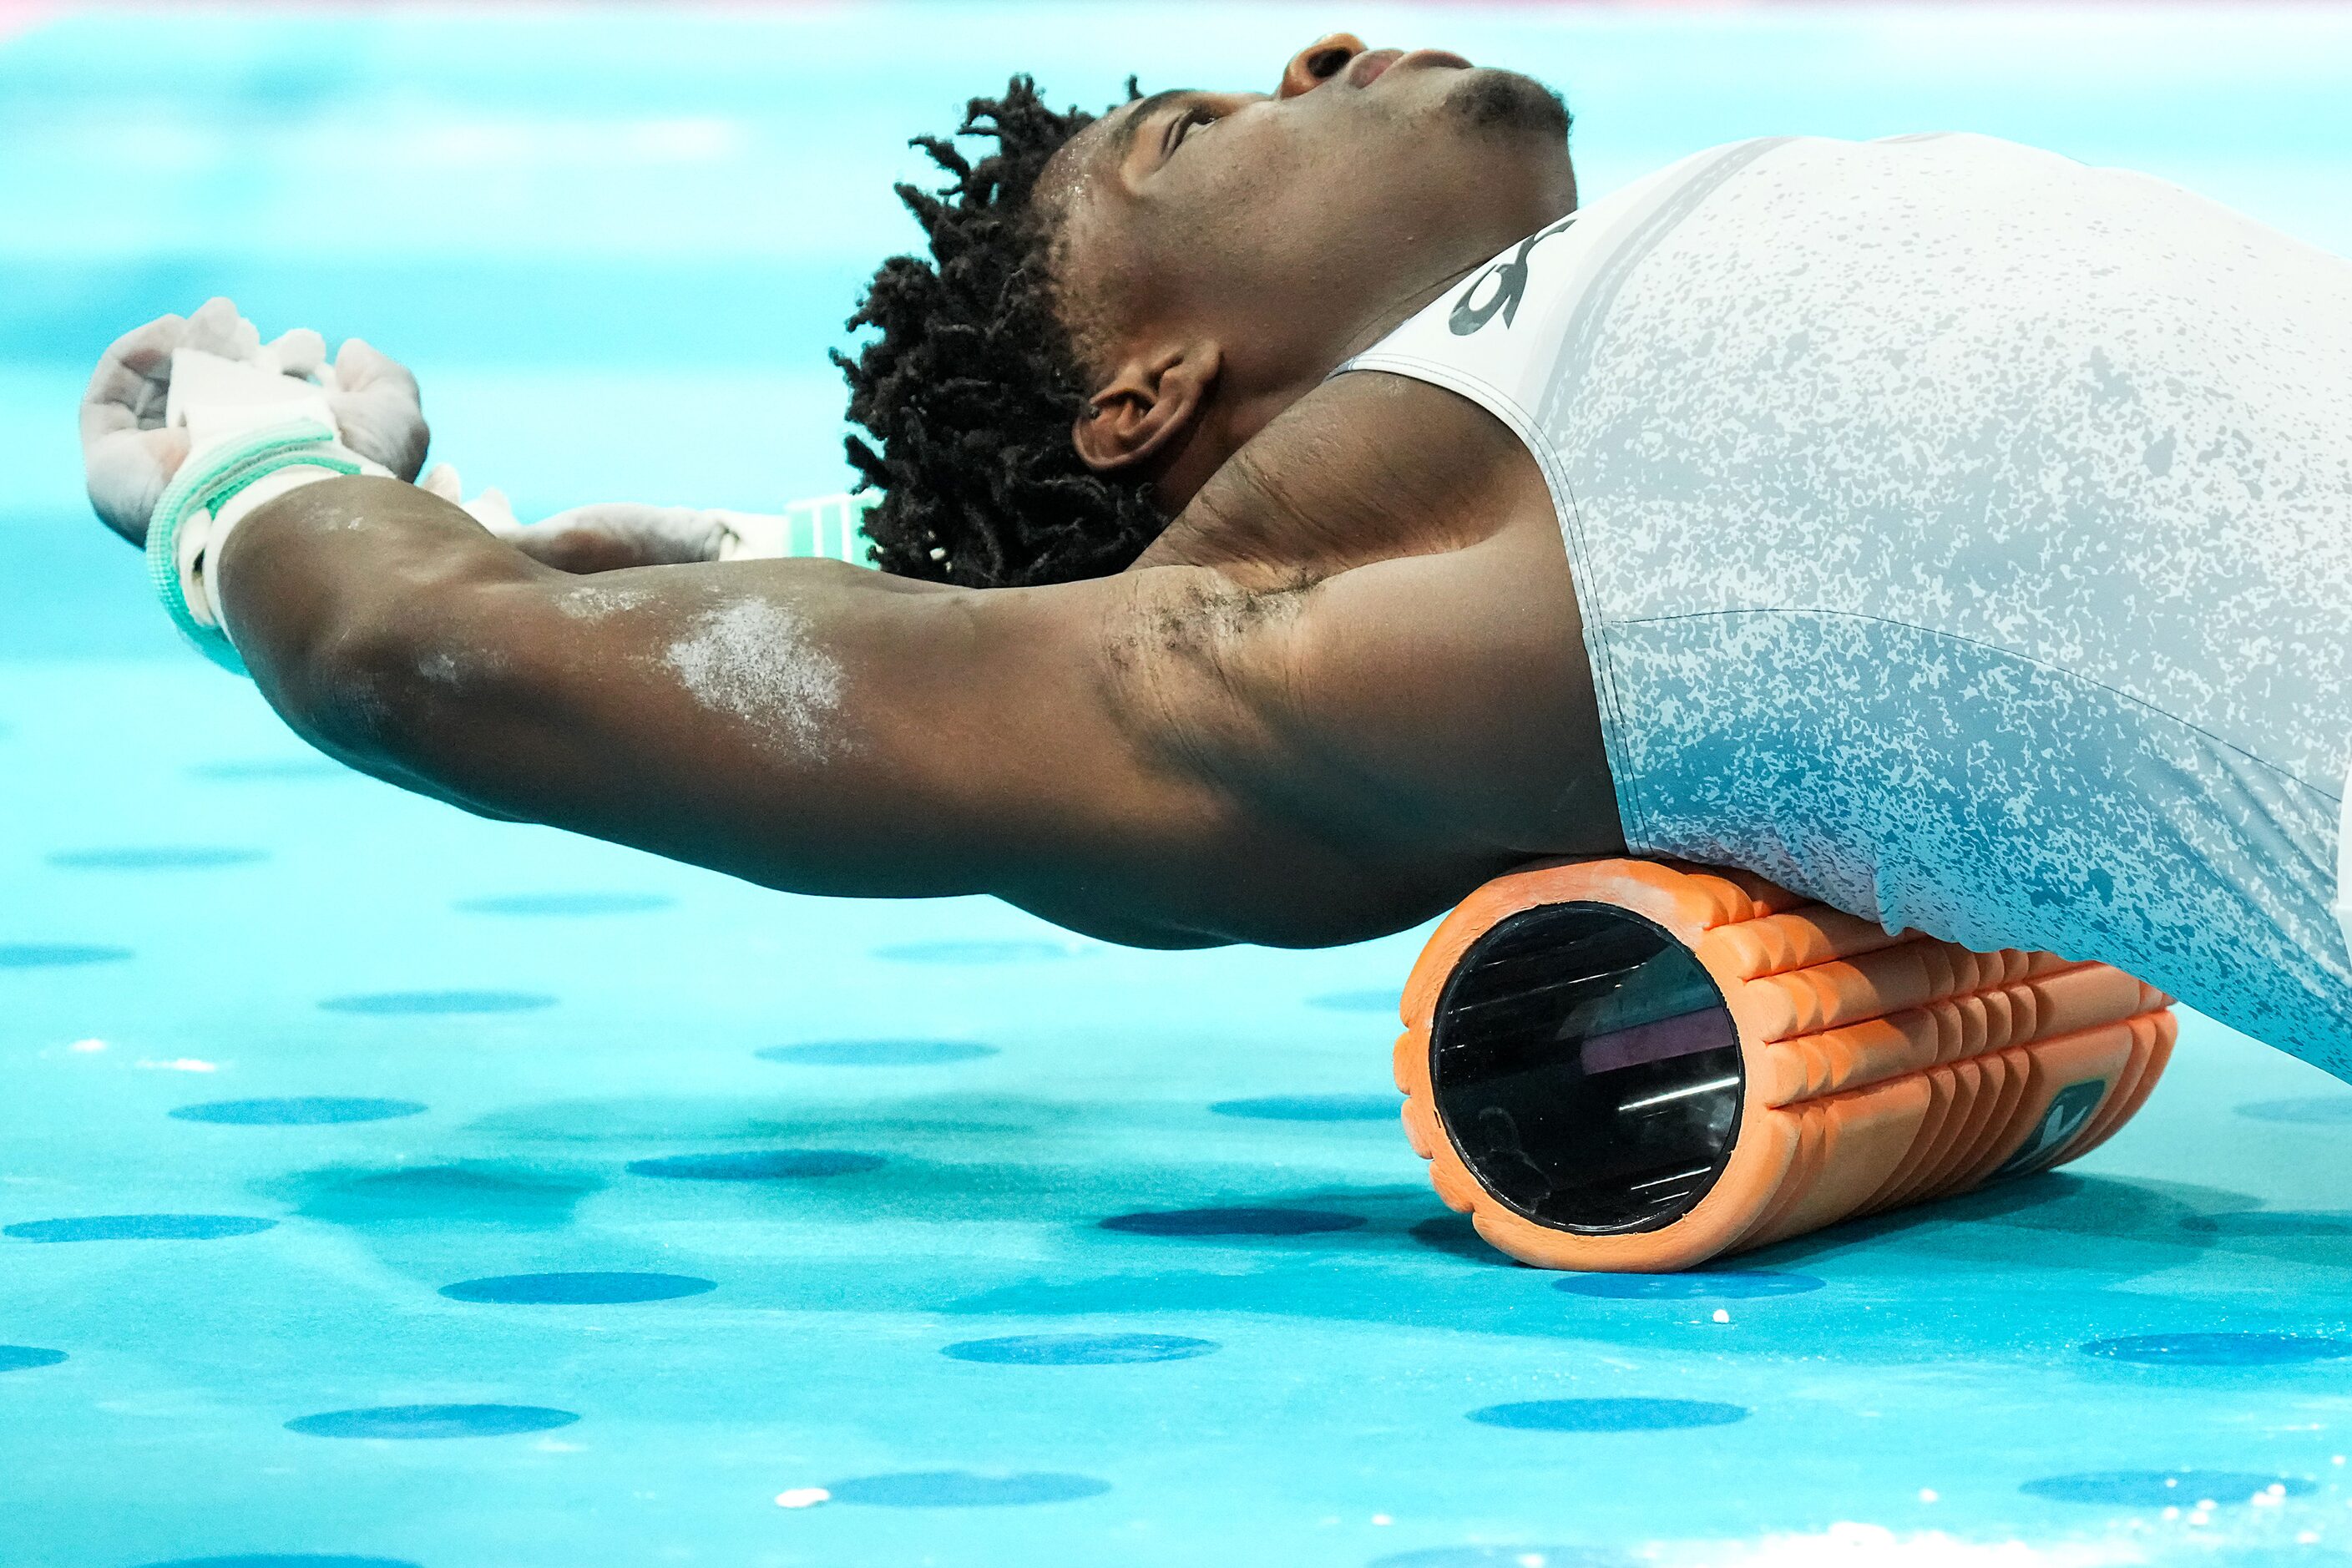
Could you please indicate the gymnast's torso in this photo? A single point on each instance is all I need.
(1961, 535)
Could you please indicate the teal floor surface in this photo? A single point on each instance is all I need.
(382, 1188)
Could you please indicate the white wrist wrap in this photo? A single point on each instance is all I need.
(826, 526)
(252, 438)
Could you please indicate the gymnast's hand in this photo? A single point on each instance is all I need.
(129, 454)
(612, 535)
(607, 536)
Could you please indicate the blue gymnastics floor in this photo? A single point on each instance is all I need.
(379, 1187)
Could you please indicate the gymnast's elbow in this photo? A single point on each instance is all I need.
(403, 685)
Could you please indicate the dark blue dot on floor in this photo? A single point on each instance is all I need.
(564, 906)
(758, 1166)
(965, 1489)
(424, 1421)
(1233, 1222)
(1313, 1108)
(22, 1357)
(270, 770)
(1378, 1001)
(970, 952)
(298, 1110)
(2326, 1109)
(156, 858)
(424, 1003)
(2220, 1349)
(1080, 1349)
(1727, 1285)
(286, 1560)
(57, 954)
(598, 1290)
(2161, 1488)
(1501, 1557)
(876, 1053)
(1609, 1415)
(140, 1228)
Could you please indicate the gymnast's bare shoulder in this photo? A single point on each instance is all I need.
(1346, 686)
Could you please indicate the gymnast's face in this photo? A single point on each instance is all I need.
(1219, 252)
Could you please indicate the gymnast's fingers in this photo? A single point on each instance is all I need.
(127, 390)
(127, 456)
(217, 328)
(376, 404)
(442, 481)
(298, 352)
(126, 471)
(610, 535)
(361, 366)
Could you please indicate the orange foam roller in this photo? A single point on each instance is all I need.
(1639, 1066)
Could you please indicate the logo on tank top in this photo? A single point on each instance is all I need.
(1510, 281)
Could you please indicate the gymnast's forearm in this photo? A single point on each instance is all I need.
(803, 724)
(390, 629)
(330, 594)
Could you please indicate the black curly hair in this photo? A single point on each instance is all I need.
(971, 386)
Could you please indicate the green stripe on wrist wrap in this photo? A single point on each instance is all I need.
(208, 482)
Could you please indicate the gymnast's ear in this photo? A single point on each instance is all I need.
(1148, 407)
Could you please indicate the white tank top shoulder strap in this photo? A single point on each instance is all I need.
(1496, 337)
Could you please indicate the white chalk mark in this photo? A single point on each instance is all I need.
(594, 601)
(754, 660)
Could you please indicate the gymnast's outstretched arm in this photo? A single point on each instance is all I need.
(1173, 756)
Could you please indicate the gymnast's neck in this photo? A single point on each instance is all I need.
(1366, 466)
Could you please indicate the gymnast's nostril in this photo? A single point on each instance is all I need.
(1317, 63)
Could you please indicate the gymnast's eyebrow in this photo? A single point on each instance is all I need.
(1123, 138)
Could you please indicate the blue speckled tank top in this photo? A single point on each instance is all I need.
(1962, 536)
